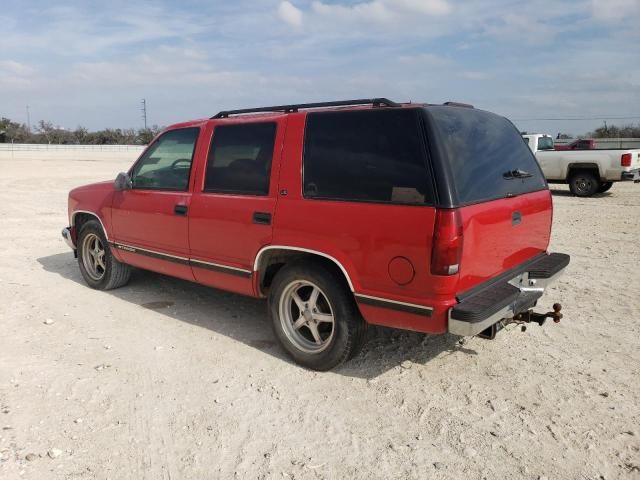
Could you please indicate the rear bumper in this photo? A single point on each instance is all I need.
(503, 299)
(631, 176)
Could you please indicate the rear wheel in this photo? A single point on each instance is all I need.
(97, 264)
(583, 183)
(314, 316)
(604, 187)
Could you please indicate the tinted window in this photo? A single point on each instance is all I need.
(240, 159)
(482, 150)
(374, 156)
(167, 162)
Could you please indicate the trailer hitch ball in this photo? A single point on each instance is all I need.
(556, 315)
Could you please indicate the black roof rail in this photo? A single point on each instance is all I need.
(458, 104)
(376, 102)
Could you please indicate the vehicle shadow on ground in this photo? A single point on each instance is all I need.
(567, 193)
(245, 319)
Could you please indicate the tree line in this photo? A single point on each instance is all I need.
(612, 131)
(47, 133)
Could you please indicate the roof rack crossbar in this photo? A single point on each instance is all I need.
(376, 102)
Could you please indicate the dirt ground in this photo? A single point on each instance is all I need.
(164, 379)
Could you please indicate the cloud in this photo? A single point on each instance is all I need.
(15, 75)
(11, 67)
(290, 14)
(382, 11)
(74, 64)
(611, 10)
(425, 60)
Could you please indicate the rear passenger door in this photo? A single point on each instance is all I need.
(231, 211)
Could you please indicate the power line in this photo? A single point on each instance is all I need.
(601, 117)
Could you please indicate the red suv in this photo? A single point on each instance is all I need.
(432, 218)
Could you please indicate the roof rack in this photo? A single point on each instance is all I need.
(458, 104)
(376, 102)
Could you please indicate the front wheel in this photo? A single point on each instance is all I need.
(604, 187)
(98, 266)
(584, 184)
(314, 316)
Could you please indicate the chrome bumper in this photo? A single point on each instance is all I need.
(632, 175)
(66, 234)
(522, 281)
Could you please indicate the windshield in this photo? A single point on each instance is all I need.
(545, 143)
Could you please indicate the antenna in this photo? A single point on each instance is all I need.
(28, 120)
(144, 112)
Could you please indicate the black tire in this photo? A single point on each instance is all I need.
(584, 183)
(348, 328)
(112, 274)
(604, 187)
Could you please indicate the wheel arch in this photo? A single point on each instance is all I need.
(580, 166)
(271, 258)
(80, 217)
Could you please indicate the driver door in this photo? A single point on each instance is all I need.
(150, 225)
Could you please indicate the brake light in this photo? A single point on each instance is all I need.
(625, 161)
(447, 242)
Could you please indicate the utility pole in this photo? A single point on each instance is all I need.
(144, 112)
(28, 120)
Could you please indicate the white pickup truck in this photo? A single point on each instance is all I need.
(586, 171)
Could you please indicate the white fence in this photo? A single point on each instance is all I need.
(29, 147)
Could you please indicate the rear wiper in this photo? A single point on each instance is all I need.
(517, 173)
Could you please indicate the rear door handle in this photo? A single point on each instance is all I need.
(262, 218)
(180, 210)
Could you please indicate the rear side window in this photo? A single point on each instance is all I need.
(369, 156)
(239, 159)
(486, 155)
(545, 143)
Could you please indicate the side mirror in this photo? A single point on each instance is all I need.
(123, 182)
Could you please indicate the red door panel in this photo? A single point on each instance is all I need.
(147, 219)
(223, 233)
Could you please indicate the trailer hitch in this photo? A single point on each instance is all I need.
(540, 318)
(521, 319)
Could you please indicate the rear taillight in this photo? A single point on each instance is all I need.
(625, 160)
(447, 242)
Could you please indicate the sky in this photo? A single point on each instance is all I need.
(90, 63)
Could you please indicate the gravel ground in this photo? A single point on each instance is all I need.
(164, 379)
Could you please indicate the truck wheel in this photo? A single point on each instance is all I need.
(583, 184)
(314, 316)
(98, 266)
(604, 187)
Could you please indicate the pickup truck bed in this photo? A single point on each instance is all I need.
(586, 171)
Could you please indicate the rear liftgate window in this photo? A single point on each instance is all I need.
(367, 156)
(486, 154)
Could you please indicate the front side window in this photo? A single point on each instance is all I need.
(366, 156)
(167, 163)
(239, 159)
